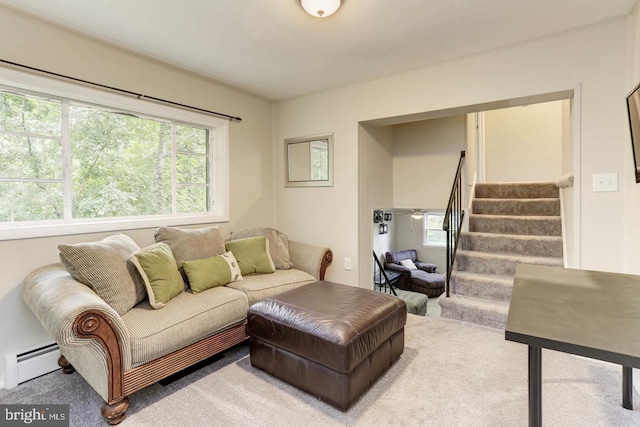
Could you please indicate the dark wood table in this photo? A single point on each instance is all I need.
(588, 313)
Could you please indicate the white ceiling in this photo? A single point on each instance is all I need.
(272, 48)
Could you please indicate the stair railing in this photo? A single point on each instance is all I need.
(382, 274)
(453, 218)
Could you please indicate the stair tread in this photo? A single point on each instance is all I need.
(517, 189)
(482, 276)
(538, 225)
(481, 303)
(516, 244)
(480, 285)
(523, 199)
(513, 257)
(517, 217)
(503, 206)
(513, 236)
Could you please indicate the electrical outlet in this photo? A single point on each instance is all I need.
(605, 182)
(347, 264)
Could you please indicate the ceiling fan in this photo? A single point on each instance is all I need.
(416, 214)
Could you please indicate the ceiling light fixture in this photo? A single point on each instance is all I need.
(320, 8)
(417, 215)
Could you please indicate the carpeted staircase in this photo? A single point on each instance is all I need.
(510, 223)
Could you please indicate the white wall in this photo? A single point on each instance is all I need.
(591, 61)
(39, 45)
(524, 143)
(630, 187)
(632, 206)
(376, 160)
(567, 194)
(425, 158)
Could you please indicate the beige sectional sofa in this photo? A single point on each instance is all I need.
(118, 354)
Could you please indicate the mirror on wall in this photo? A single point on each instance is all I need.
(633, 108)
(309, 161)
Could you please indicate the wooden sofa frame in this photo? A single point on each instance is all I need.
(92, 324)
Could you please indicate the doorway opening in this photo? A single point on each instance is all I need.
(408, 163)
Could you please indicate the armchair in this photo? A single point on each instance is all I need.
(417, 276)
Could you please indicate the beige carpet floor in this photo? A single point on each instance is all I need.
(451, 374)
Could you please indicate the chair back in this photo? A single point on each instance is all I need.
(396, 256)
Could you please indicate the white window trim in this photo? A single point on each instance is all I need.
(424, 229)
(219, 188)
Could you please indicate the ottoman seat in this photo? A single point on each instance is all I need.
(430, 284)
(328, 339)
(416, 302)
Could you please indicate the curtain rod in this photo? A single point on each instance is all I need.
(138, 95)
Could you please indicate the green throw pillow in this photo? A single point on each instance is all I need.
(278, 244)
(252, 254)
(159, 272)
(208, 273)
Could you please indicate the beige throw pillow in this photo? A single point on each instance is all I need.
(189, 244)
(409, 264)
(103, 266)
(278, 244)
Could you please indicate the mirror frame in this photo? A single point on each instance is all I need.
(633, 111)
(324, 183)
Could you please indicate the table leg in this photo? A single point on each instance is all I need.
(535, 386)
(627, 387)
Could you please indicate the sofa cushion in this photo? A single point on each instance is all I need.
(189, 244)
(261, 286)
(278, 244)
(208, 273)
(188, 319)
(159, 272)
(104, 267)
(252, 254)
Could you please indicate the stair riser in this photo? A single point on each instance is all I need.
(517, 191)
(497, 291)
(511, 245)
(520, 207)
(521, 226)
(493, 266)
(474, 315)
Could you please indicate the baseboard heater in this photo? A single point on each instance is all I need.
(29, 363)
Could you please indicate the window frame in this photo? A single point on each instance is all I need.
(38, 85)
(425, 229)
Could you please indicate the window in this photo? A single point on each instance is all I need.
(319, 160)
(74, 166)
(434, 235)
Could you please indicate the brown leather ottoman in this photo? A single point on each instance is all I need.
(328, 339)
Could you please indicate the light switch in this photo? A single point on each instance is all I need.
(347, 264)
(605, 182)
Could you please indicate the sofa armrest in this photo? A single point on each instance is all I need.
(310, 258)
(74, 315)
(426, 266)
(396, 267)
